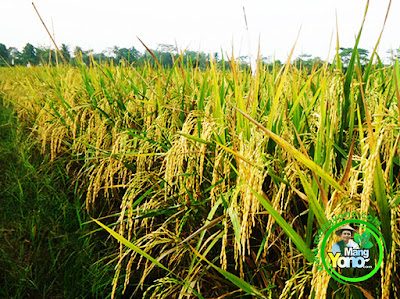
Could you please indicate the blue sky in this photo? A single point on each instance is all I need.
(205, 25)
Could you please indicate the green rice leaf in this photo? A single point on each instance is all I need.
(292, 234)
(233, 215)
(131, 246)
(197, 139)
(296, 154)
(312, 200)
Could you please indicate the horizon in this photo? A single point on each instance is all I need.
(389, 53)
(210, 27)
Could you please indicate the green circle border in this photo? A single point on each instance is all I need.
(381, 245)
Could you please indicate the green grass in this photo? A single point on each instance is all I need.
(45, 248)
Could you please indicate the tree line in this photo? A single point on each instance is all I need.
(165, 54)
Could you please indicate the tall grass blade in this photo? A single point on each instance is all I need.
(151, 53)
(296, 154)
(347, 90)
(312, 199)
(292, 234)
(132, 246)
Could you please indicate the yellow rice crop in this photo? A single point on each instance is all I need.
(178, 168)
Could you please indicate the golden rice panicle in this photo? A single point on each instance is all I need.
(115, 173)
(216, 177)
(281, 195)
(345, 204)
(296, 285)
(369, 171)
(97, 175)
(95, 185)
(396, 245)
(115, 279)
(177, 157)
(206, 133)
(161, 240)
(223, 258)
(387, 267)
(320, 279)
(254, 176)
(320, 282)
(139, 183)
(173, 165)
(280, 199)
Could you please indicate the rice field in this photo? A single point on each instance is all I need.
(215, 182)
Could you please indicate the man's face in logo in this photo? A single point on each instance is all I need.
(346, 235)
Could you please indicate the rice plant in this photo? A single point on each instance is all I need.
(216, 182)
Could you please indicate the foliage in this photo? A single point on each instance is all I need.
(4, 55)
(47, 247)
(345, 55)
(65, 52)
(29, 55)
(220, 176)
(164, 53)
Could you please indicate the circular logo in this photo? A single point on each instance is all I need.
(358, 261)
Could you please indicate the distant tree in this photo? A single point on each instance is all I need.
(346, 53)
(65, 52)
(29, 55)
(15, 56)
(244, 62)
(167, 48)
(82, 55)
(305, 57)
(102, 58)
(195, 59)
(129, 55)
(164, 53)
(134, 54)
(120, 53)
(78, 51)
(266, 59)
(4, 55)
(305, 61)
(318, 62)
(190, 58)
(276, 64)
(46, 56)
